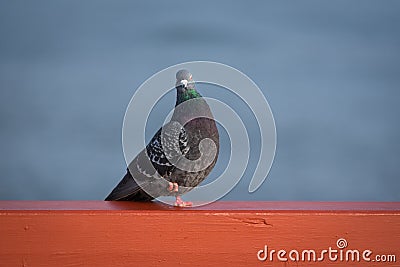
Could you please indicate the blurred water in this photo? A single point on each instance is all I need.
(330, 70)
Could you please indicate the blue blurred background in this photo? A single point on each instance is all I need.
(329, 69)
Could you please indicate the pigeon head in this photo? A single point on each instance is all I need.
(185, 87)
(184, 80)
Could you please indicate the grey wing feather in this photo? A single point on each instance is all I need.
(168, 144)
(152, 164)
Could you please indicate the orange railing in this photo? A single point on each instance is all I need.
(97, 233)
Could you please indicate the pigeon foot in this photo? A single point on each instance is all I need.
(180, 203)
(173, 187)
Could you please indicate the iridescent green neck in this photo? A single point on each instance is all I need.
(186, 95)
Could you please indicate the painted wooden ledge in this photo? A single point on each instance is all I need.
(97, 233)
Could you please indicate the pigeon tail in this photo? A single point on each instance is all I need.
(128, 189)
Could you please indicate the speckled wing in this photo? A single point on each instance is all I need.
(151, 168)
(166, 147)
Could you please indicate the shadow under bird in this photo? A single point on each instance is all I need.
(179, 156)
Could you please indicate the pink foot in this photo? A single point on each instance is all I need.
(173, 187)
(180, 203)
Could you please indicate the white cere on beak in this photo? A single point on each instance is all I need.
(184, 83)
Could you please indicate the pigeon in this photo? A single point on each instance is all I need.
(179, 156)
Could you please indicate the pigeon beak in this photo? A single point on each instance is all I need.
(183, 84)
